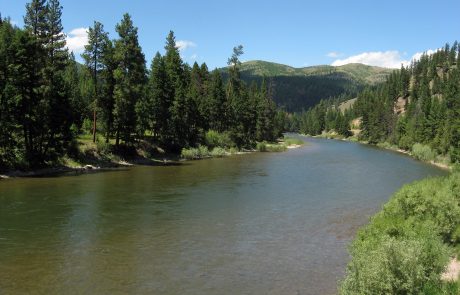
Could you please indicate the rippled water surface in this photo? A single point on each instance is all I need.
(250, 224)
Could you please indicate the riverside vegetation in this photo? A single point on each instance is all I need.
(407, 246)
(56, 110)
(417, 109)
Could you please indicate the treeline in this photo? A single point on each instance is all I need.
(324, 117)
(47, 99)
(418, 104)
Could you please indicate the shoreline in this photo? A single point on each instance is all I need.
(389, 148)
(104, 165)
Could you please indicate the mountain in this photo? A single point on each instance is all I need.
(296, 89)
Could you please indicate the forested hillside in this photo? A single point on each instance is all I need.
(297, 89)
(417, 108)
(48, 101)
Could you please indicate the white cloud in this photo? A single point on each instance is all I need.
(184, 44)
(194, 57)
(418, 55)
(333, 54)
(77, 39)
(385, 59)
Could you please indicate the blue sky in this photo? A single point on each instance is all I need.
(296, 33)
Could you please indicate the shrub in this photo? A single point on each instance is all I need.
(405, 247)
(218, 152)
(423, 152)
(261, 146)
(266, 147)
(189, 154)
(387, 145)
(215, 139)
(293, 141)
(87, 126)
(102, 147)
(233, 150)
(274, 148)
(405, 142)
(195, 153)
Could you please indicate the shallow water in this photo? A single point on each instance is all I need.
(261, 223)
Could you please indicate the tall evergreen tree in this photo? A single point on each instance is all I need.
(183, 108)
(219, 107)
(35, 19)
(160, 100)
(57, 96)
(93, 56)
(130, 77)
(107, 99)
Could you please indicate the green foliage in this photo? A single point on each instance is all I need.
(47, 98)
(405, 248)
(293, 141)
(103, 147)
(130, 79)
(218, 152)
(272, 148)
(423, 152)
(215, 139)
(416, 108)
(293, 85)
(200, 152)
(262, 147)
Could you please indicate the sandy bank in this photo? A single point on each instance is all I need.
(452, 272)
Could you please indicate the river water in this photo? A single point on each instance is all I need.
(262, 223)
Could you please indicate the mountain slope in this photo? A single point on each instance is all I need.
(300, 88)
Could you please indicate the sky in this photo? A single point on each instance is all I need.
(297, 33)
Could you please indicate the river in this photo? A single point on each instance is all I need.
(261, 223)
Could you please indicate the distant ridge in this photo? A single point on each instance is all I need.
(300, 88)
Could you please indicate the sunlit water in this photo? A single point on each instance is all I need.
(251, 224)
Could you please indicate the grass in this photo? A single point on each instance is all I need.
(280, 146)
(293, 141)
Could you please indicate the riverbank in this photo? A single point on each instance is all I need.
(414, 242)
(99, 157)
(442, 163)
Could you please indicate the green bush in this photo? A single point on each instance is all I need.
(293, 141)
(423, 152)
(87, 126)
(233, 150)
(195, 153)
(266, 147)
(102, 147)
(261, 147)
(387, 145)
(406, 246)
(405, 142)
(215, 139)
(218, 152)
(275, 148)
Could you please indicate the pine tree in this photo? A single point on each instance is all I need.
(160, 98)
(35, 19)
(107, 99)
(93, 56)
(130, 79)
(183, 109)
(58, 116)
(219, 107)
(265, 115)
